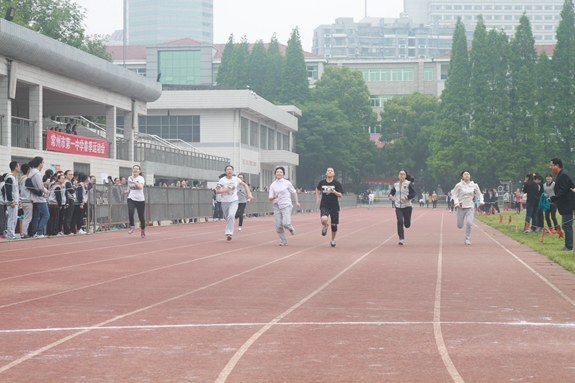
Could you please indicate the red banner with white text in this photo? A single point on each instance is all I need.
(70, 143)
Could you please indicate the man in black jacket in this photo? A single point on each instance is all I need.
(564, 198)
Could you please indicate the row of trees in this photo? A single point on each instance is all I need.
(505, 110)
(335, 111)
(62, 20)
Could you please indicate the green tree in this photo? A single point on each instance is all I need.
(408, 122)
(295, 84)
(544, 108)
(62, 20)
(449, 139)
(239, 74)
(348, 90)
(224, 77)
(257, 67)
(273, 73)
(564, 71)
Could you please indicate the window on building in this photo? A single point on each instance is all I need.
(457, 7)
(245, 131)
(339, 31)
(488, 17)
(279, 141)
(538, 27)
(467, 17)
(507, 17)
(548, 17)
(421, 41)
(285, 142)
(435, 7)
(421, 51)
(518, 7)
(517, 17)
(528, 7)
(508, 27)
(557, 17)
(548, 7)
(312, 72)
(549, 27)
(538, 7)
(351, 31)
(264, 137)
(447, 17)
(467, 7)
(254, 133)
(448, 7)
(350, 51)
(179, 67)
(351, 40)
(478, 7)
(558, 7)
(538, 17)
(498, 7)
(327, 30)
(327, 40)
(538, 37)
(548, 37)
(389, 52)
(428, 74)
(271, 139)
(508, 7)
(185, 128)
(339, 41)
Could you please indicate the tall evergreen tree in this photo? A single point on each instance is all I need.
(564, 71)
(295, 83)
(544, 108)
(224, 76)
(257, 67)
(448, 140)
(239, 77)
(273, 73)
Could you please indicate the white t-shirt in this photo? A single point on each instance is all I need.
(284, 189)
(135, 193)
(232, 184)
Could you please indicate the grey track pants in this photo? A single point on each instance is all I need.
(466, 214)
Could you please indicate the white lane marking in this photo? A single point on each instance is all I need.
(101, 324)
(225, 373)
(547, 282)
(214, 325)
(437, 315)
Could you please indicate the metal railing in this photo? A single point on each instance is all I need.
(23, 133)
(122, 149)
(144, 151)
(108, 205)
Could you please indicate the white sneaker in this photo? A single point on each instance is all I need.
(283, 243)
(239, 228)
(401, 242)
(292, 230)
(467, 242)
(332, 243)
(81, 231)
(324, 231)
(39, 236)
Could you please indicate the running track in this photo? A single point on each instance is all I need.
(184, 305)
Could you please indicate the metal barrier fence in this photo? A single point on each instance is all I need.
(108, 205)
(144, 151)
(23, 133)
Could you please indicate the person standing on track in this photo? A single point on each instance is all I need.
(402, 193)
(242, 202)
(463, 194)
(331, 190)
(280, 191)
(228, 187)
(136, 199)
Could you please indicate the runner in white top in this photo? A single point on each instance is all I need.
(463, 194)
(228, 188)
(280, 191)
(136, 199)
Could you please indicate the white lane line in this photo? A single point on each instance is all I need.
(545, 280)
(437, 315)
(111, 320)
(287, 324)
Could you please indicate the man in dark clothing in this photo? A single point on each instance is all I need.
(564, 198)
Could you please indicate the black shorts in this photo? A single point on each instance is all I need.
(334, 214)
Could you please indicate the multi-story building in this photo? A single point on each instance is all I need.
(155, 22)
(544, 15)
(426, 28)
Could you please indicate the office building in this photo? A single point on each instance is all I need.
(156, 22)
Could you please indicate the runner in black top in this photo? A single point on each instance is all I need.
(330, 190)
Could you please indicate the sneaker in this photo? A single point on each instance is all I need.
(24, 237)
(39, 236)
(565, 249)
(3, 236)
(467, 242)
(71, 234)
(401, 242)
(13, 239)
(143, 234)
(332, 243)
(81, 231)
(239, 229)
(229, 238)
(291, 230)
(324, 231)
(132, 228)
(59, 234)
(283, 243)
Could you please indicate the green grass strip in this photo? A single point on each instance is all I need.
(550, 246)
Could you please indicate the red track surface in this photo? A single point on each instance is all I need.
(184, 305)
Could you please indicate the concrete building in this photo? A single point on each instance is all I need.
(502, 14)
(43, 81)
(253, 133)
(155, 22)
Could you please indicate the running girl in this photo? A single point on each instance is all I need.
(228, 188)
(463, 194)
(330, 190)
(136, 199)
(279, 194)
(402, 193)
(242, 202)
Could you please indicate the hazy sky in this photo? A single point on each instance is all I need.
(257, 19)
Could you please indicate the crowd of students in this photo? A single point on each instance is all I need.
(51, 204)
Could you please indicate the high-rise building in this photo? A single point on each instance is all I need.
(544, 15)
(158, 21)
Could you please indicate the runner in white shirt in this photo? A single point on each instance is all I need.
(280, 191)
(463, 194)
(228, 188)
(136, 199)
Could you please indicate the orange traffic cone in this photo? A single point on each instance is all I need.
(509, 219)
(500, 219)
(560, 231)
